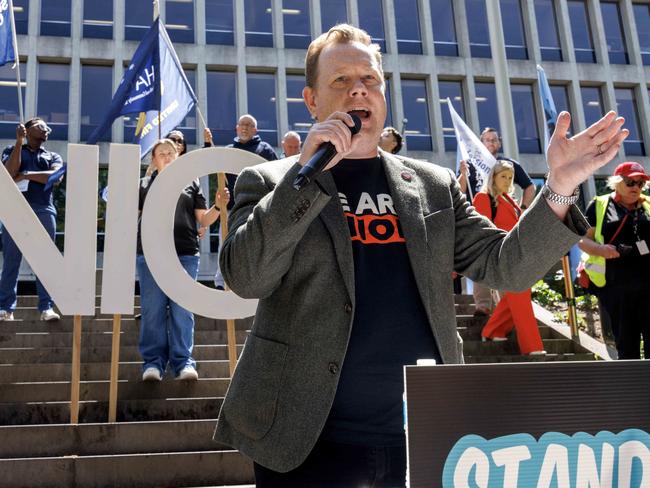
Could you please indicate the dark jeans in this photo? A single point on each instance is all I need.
(624, 309)
(332, 465)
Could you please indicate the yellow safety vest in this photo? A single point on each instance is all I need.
(595, 265)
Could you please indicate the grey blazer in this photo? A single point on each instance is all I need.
(292, 250)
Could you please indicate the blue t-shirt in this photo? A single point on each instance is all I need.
(390, 327)
(40, 160)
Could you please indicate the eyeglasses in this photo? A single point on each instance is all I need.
(492, 141)
(42, 126)
(630, 182)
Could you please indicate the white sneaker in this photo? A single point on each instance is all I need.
(537, 353)
(188, 373)
(49, 315)
(6, 316)
(151, 374)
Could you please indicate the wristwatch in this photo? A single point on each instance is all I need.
(558, 199)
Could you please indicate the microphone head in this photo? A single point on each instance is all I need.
(357, 124)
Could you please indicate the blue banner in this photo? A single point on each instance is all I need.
(7, 54)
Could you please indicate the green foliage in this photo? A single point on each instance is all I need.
(545, 295)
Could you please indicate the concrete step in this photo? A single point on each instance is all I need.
(127, 390)
(96, 411)
(32, 300)
(99, 354)
(131, 371)
(129, 337)
(130, 470)
(473, 332)
(510, 347)
(465, 299)
(519, 358)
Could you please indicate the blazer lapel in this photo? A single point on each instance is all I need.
(404, 188)
(332, 217)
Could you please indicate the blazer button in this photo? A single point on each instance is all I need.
(333, 368)
(348, 308)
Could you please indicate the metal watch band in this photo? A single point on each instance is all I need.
(558, 199)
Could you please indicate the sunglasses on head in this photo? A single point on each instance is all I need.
(42, 126)
(629, 182)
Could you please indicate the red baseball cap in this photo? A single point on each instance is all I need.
(631, 169)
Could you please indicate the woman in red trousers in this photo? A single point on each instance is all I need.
(514, 309)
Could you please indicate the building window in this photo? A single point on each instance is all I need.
(262, 105)
(53, 95)
(479, 33)
(513, 29)
(626, 107)
(96, 94)
(549, 38)
(21, 15)
(221, 89)
(389, 105)
(138, 20)
(592, 104)
(487, 105)
(444, 28)
(407, 24)
(333, 12)
(9, 115)
(295, 16)
(523, 106)
(55, 18)
(582, 41)
(219, 22)
(179, 15)
(258, 20)
(98, 19)
(299, 117)
(642, 17)
(371, 19)
(188, 124)
(418, 129)
(454, 91)
(614, 33)
(561, 99)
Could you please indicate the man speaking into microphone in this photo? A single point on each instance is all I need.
(353, 273)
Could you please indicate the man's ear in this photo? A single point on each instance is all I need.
(309, 96)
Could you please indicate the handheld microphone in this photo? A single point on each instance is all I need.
(321, 158)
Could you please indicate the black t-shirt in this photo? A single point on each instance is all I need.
(186, 238)
(390, 327)
(631, 269)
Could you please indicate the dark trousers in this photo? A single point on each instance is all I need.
(333, 465)
(625, 311)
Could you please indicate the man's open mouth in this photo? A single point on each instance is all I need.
(361, 113)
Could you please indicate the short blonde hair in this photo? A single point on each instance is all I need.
(339, 34)
(499, 167)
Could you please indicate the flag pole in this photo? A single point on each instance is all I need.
(14, 39)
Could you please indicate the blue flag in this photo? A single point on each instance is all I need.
(550, 112)
(7, 54)
(153, 84)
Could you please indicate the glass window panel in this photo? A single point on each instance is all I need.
(188, 124)
(295, 16)
(96, 94)
(262, 105)
(407, 23)
(52, 101)
(21, 15)
(454, 91)
(626, 107)
(389, 105)
(444, 27)
(487, 105)
(614, 33)
(371, 19)
(299, 118)
(561, 99)
(98, 19)
(549, 38)
(138, 20)
(523, 106)
(55, 18)
(513, 29)
(418, 129)
(222, 105)
(479, 34)
(219, 22)
(258, 22)
(180, 20)
(9, 113)
(332, 12)
(642, 17)
(581, 32)
(592, 103)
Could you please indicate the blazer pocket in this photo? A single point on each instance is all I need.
(251, 402)
(440, 226)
